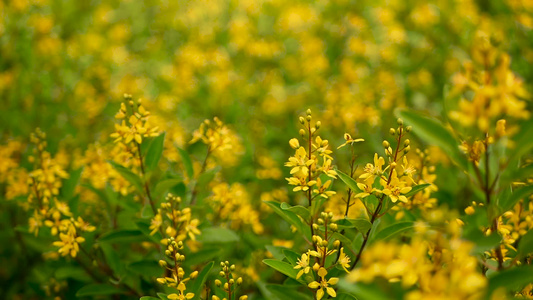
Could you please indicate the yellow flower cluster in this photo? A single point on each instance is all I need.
(16, 178)
(231, 203)
(177, 280)
(311, 160)
(491, 90)
(430, 268)
(134, 124)
(230, 283)
(395, 180)
(177, 223)
(222, 142)
(319, 279)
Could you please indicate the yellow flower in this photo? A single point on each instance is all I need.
(303, 265)
(373, 170)
(69, 244)
(324, 284)
(349, 140)
(344, 260)
(395, 189)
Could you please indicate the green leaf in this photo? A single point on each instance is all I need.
(131, 177)
(362, 291)
(203, 255)
(98, 290)
(199, 282)
(148, 268)
(433, 132)
(286, 292)
(187, 163)
(282, 267)
(362, 225)
(290, 217)
(346, 243)
(153, 155)
(417, 188)
(67, 272)
(276, 251)
(70, 184)
(144, 227)
(112, 259)
(122, 236)
(291, 256)
(516, 196)
(298, 209)
(218, 235)
(512, 279)
(525, 245)
(349, 181)
(480, 240)
(149, 298)
(393, 229)
(519, 174)
(164, 186)
(344, 296)
(523, 140)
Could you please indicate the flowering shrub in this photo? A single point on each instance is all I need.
(282, 150)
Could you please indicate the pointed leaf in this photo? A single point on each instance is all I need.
(417, 188)
(517, 195)
(298, 209)
(131, 177)
(433, 132)
(349, 181)
(393, 229)
(98, 290)
(153, 155)
(218, 235)
(282, 267)
(187, 163)
(199, 282)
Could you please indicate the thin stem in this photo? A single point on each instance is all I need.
(146, 187)
(202, 170)
(378, 208)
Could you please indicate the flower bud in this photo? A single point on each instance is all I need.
(408, 128)
(318, 124)
(302, 120)
(294, 143)
(218, 282)
(308, 112)
(400, 121)
(239, 281)
(163, 263)
(386, 144)
(302, 132)
(194, 275)
(392, 131)
(407, 142)
(333, 227)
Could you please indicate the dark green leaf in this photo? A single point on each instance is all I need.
(98, 290)
(154, 152)
(203, 255)
(164, 186)
(362, 225)
(199, 282)
(218, 235)
(290, 217)
(393, 229)
(148, 298)
(525, 245)
(512, 279)
(122, 236)
(286, 292)
(349, 181)
(516, 196)
(112, 259)
(480, 240)
(298, 209)
(417, 188)
(148, 268)
(186, 159)
(435, 133)
(362, 291)
(523, 140)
